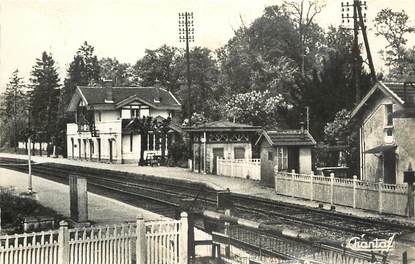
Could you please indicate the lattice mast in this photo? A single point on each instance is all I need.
(353, 11)
(186, 34)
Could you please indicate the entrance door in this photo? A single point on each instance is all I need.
(73, 147)
(389, 166)
(85, 148)
(99, 148)
(294, 159)
(79, 146)
(110, 145)
(217, 153)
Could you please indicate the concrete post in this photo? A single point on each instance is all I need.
(63, 242)
(29, 160)
(141, 247)
(380, 187)
(354, 190)
(227, 233)
(332, 188)
(183, 251)
(78, 198)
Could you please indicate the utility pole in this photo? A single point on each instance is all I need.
(186, 34)
(359, 20)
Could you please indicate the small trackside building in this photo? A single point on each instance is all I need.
(104, 116)
(386, 118)
(220, 140)
(286, 150)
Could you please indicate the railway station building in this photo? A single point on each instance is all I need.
(103, 115)
(386, 117)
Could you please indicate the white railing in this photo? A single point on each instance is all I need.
(240, 168)
(381, 197)
(140, 242)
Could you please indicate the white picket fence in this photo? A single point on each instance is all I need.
(380, 197)
(140, 242)
(240, 168)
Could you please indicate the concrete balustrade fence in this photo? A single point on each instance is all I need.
(379, 196)
(141, 242)
(240, 168)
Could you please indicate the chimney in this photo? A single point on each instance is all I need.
(157, 86)
(302, 128)
(107, 85)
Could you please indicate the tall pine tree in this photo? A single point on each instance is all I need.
(44, 98)
(12, 112)
(83, 70)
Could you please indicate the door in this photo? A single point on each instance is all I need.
(217, 153)
(79, 148)
(73, 147)
(85, 148)
(99, 148)
(294, 159)
(110, 145)
(389, 166)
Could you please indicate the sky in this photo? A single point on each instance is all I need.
(126, 28)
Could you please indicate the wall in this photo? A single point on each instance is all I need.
(305, 160)
(267, 166)
(373, 135)
(405, 139)
(131, 156)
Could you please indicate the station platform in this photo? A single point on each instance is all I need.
(236, 185)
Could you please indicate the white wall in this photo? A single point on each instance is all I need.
(162, 113)
(131, 156)
(305, 160)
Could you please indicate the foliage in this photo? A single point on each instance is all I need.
(337, 130)
(112, 69)
(393, 26)
(178, 151)
(83, 70)
(13, 108)
(44, 97)
(257, 108)
(158, 65)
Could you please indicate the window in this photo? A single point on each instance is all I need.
(239, 153)
(270, 155)
(135, 113)
(388, 114)
(282, 158)
(131, 142)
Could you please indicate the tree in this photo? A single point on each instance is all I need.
(204, 77)
(112, 69)
(394, 27)
(83, 70)
(44, 98)
(257, 108)
(158, 65)
(13, 109)
(303, 13)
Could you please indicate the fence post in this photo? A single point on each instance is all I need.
(311, 186)
(63, 242)
(354, 190)
(332, 188)
(380, 187)
(276, 177)
(141, 248)
(292, 183)
(183, 239)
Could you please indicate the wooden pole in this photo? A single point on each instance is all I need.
(29, 160)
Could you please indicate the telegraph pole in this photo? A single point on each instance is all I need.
(186, 34)
(359, 20)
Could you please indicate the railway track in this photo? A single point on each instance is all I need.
(164, 196)
(171, 192)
